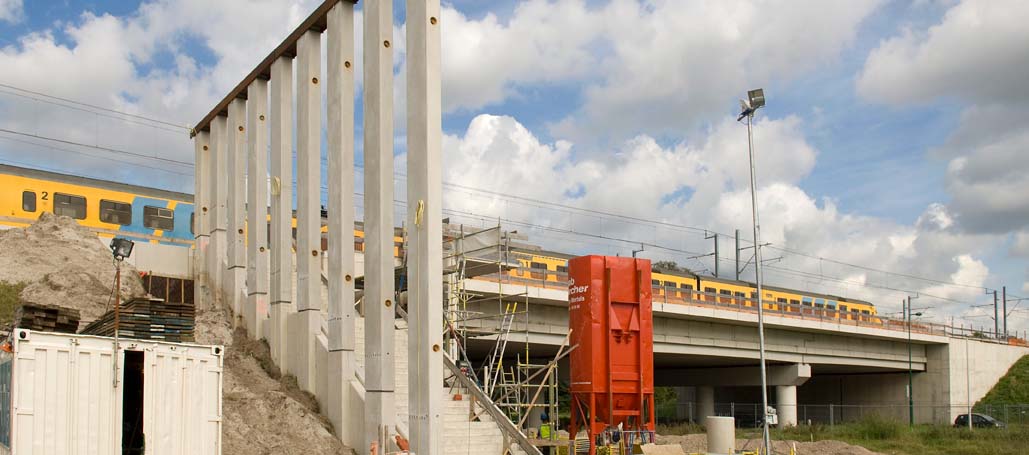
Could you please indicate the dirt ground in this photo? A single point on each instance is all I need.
(697, 443)
(63, 264)
(263, 412)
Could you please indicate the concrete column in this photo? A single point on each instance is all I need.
(201, 229)
(256, 309)
(425, 227)
(341, 342)
(705, 403)
(786, 405)
(380, 414)
(235, 267)
(281, 265)
(309, 238)
(219, 188)
(684, 403)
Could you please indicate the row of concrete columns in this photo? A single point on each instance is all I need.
(251, 274)
(785, 407)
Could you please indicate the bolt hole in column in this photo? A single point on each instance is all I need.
(389, 303)
(346, 64)
(314, 252)
(385, 43)
(348, 278)
(432, 20)
(314, 80)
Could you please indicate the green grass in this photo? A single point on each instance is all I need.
(1012, 388)
(9, 301)
(896, 438)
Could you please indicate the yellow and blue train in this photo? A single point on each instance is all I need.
(159, 216)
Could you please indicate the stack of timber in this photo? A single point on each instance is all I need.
(47, 318)
(147, 319)
(169, 289)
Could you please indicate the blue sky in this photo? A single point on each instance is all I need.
(870, 148)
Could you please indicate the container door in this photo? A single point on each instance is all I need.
(64, 398)
(182, 400)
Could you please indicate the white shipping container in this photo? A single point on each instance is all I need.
(58, 396)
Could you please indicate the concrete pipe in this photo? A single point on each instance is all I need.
(721, 435)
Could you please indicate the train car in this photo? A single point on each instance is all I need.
(109, 208)
(685, 287)
(166, 217)
(113, 209)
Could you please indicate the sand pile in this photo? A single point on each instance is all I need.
(264, 413)
(63, 264)
(697, 443)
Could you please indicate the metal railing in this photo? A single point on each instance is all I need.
(505, 424)
(549, 279)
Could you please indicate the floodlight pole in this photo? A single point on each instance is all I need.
(117, 304)
(757, 278)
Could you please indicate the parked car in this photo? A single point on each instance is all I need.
(978, 421)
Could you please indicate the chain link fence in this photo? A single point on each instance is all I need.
(748, 415)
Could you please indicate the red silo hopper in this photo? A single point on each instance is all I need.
(612, 367)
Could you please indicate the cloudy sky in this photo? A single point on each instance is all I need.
(892, 155)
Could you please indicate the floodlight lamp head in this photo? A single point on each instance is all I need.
(756, 98)
(121, 248)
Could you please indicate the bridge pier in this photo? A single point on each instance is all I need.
(705, 403)
(786, 405)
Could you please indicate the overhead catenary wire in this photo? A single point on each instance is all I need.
(178, 126)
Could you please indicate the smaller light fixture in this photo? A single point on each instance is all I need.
(121, 248)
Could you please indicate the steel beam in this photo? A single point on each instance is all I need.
(425, 227)
(256, 309)
(380, 413)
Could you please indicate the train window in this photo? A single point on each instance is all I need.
(686, 286)
(866, 312)
(669, 284)
(843, 308)
(725, 291)
(794, 302)
(806, 300)
(655, 282)
(70, 205)
(158, 218)
(710, 290)
(28, 201)
(115, 212)
(562, 269)
(538, 265)
(780, 300)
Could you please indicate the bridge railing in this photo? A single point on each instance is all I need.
(549, 279)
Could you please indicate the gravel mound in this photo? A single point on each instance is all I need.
(64, 264)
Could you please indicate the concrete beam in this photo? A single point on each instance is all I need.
(380, 413)
(201, 203)
(425, 227)
(217, 222)
(309, 152)
(257, 207)
(281, 265)
(796, 374)
(235, 267)
(341, 336)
